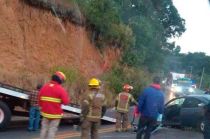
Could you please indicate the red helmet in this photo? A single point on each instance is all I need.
(61, 75)
(127, 87)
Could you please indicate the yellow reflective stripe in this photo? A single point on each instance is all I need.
(51, 99)
(118, 104)
(90, 116)
(46, 115)
(129, 97)
(120, 109)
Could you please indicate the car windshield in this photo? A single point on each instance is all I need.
(184, 84)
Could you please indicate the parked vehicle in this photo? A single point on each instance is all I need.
(12, 97)
(186, 111)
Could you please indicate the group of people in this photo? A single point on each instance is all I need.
(150, 106)
(46, 101)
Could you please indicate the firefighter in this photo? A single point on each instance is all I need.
(93, 108)
(122, 105)
(51, 96)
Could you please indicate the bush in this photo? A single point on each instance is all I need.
(71, 74)
(103, 19)
(119, 75)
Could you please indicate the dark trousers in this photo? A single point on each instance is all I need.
(145, 126)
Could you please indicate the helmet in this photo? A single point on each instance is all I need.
(94, 83)
(127, 87)
(61, 75)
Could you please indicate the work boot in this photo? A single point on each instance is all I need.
(118, 130)
(124, 130)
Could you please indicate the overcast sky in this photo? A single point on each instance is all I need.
(197, 16)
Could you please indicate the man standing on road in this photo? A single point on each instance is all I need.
(93, 108)
(122, 105)
(34, 113)
(51, 96)
(151, 104)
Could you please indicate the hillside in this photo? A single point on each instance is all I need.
(32, 43)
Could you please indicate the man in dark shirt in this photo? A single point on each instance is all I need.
(34, 113)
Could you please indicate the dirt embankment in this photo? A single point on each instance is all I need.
(32, 42)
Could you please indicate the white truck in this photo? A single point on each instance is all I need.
(12, 97)
(173, 77)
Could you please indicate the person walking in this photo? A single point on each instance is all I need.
(122, 105)
(151, 105)
(51, 96)
(93, 108)
(34, 112)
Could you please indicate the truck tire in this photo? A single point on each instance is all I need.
(5, 116)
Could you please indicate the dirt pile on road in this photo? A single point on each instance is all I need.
(33, 42)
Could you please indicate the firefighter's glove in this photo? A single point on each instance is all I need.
(103, 111)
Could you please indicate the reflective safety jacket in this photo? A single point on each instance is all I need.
(123, 101)
(51, 96)
(92, 106)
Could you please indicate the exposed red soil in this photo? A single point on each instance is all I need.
(32, 42)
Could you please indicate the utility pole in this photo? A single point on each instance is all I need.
(201, 78)
(191, 68)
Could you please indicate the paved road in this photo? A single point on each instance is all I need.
(17, 130)
(66, 131)
(165, 133)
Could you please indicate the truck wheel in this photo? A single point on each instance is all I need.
(5, 115)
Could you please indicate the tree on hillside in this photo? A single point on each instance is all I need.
(141, 28)
(152, 22)
(102, 18)
(190, 63)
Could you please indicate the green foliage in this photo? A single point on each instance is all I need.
(169, 17)
(72, 74)
(120, 75)
(103, 19)
(141, 27)
(191, 62)
(206, 81)
(152, 22)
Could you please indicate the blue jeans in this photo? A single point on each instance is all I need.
(34, 118)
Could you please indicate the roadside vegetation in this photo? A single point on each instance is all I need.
(193, 64)
(139, 28)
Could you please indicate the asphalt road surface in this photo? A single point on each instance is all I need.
(67, 131)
